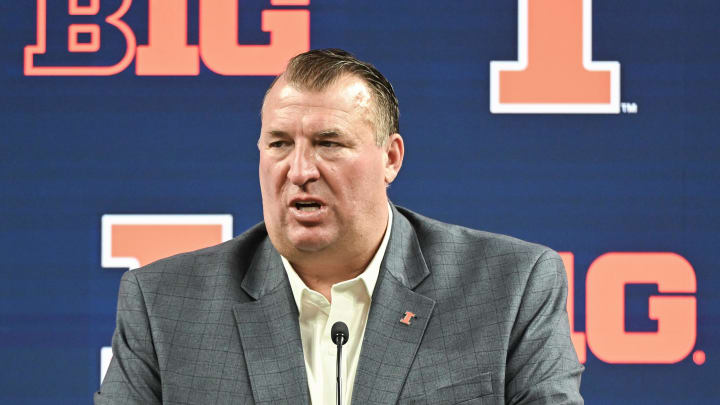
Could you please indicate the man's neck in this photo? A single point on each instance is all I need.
(321, 273)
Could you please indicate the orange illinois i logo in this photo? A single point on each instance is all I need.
(132, 241)
(554, 72)
(408, 317)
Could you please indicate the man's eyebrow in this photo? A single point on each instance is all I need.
(277, 134)
(329, 133)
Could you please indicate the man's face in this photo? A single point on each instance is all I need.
(322, 176)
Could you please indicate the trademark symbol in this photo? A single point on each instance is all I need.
(698, 357)
(629, 108)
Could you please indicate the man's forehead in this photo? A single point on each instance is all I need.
(346, 104)
(346, 92)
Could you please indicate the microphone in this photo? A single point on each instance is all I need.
(339, 335)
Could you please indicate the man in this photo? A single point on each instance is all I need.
(437, 313)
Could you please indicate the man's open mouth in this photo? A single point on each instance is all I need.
(307, 206)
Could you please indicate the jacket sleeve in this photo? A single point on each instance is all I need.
(542, 366)
(133, 375)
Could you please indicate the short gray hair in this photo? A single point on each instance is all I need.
(317, 69)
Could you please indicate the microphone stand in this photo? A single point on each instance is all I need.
(337, 371)
(339, 335)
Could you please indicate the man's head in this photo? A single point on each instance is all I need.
(329, 148)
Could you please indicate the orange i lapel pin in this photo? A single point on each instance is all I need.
(408, 317)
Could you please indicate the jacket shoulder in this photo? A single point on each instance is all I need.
(228, 260)
(462, 256)
(438, 237)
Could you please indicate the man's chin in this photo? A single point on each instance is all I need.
(309, 246)
(308, 240)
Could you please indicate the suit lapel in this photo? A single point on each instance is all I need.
(269, 332)
(389, 346)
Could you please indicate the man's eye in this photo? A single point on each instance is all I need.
(278, 144)
(328, 144)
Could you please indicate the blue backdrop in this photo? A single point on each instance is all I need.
(75, 148)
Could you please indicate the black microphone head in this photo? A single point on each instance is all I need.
(339, 331)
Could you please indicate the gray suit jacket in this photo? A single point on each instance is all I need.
(220, 326)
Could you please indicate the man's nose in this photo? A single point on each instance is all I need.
(303, 165)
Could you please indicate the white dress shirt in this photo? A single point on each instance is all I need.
(350, 304)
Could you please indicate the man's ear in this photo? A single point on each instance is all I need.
(394, 152)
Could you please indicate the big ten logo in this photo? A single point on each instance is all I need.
(132, 241)
(605, 330)
(96, 28)
(554, 72)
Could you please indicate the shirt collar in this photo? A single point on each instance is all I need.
(369, 276)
